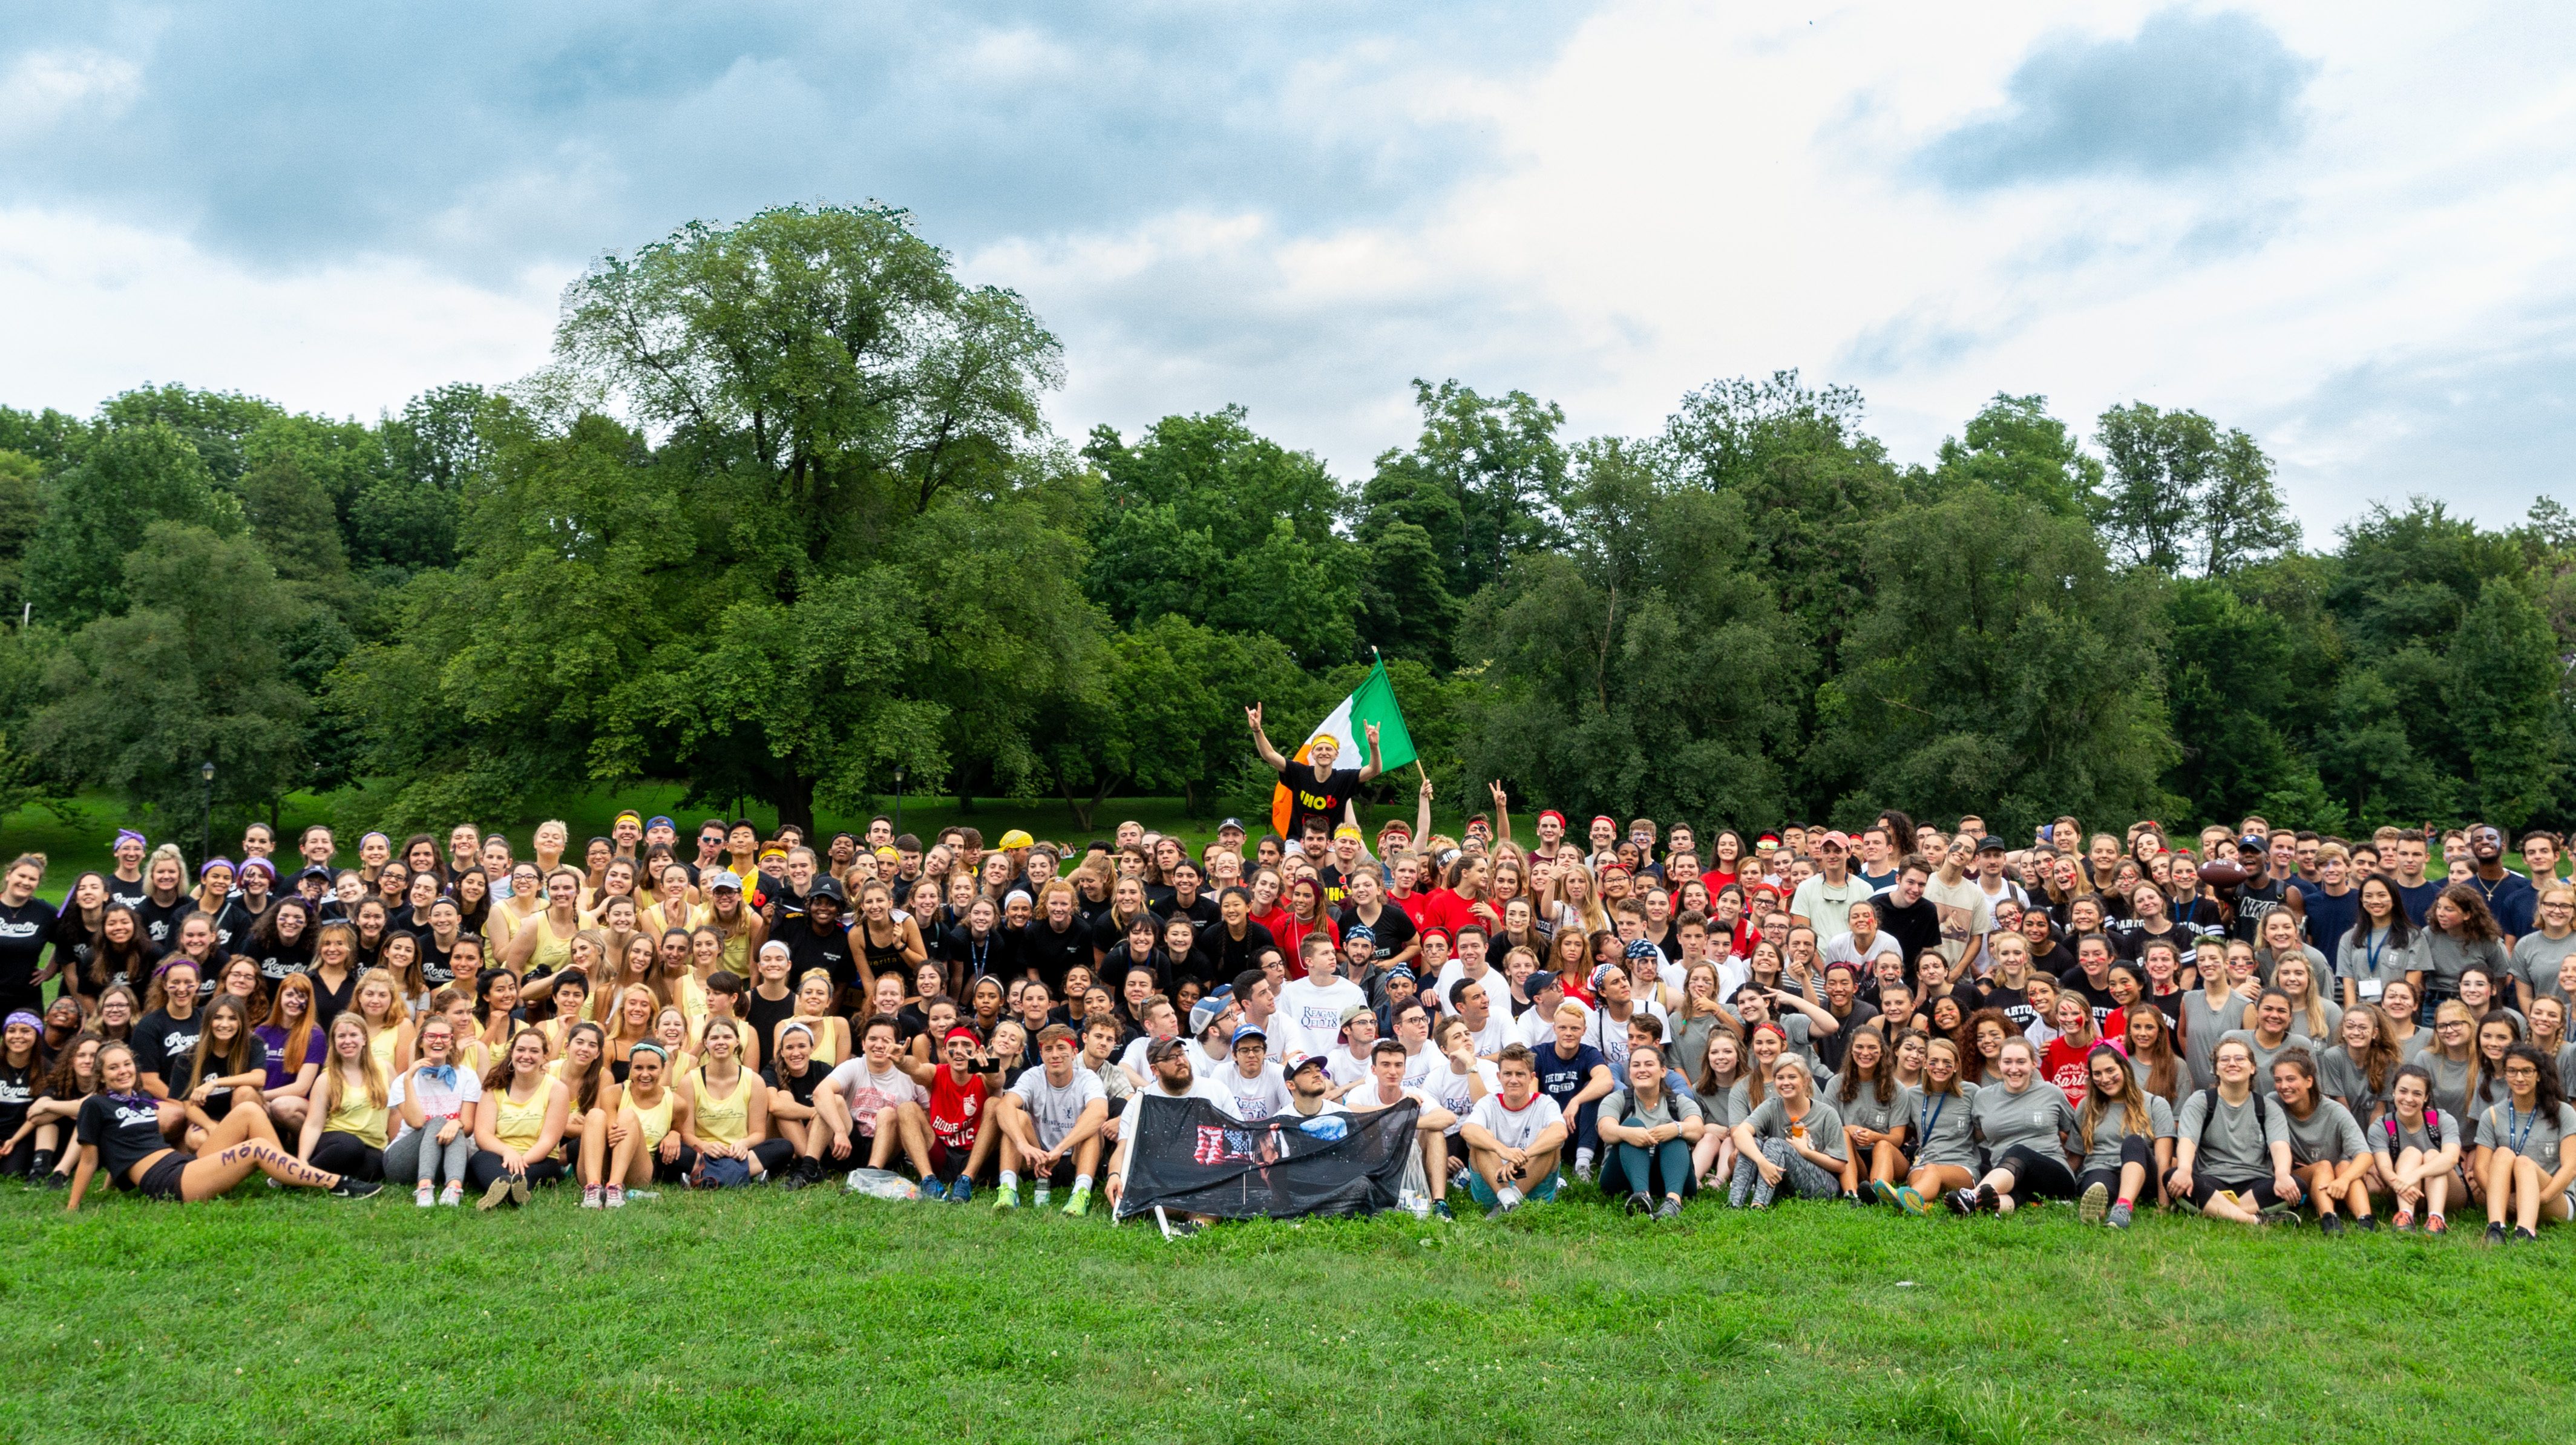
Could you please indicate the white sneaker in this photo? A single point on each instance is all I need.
(452, 1196)
(425, 1196)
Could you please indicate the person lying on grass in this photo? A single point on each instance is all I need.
(120, 1128)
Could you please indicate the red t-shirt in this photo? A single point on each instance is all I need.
(956, 1111)
(2063, 1064)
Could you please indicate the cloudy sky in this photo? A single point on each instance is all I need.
(2350, 229)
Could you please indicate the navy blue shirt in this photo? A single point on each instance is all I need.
(2329, 918)
(2512, 900)
(1561, 1078)
(2418, 900)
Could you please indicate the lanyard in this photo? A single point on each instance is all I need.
(2515, 1130)
(1928, 1122)
(2378, 942)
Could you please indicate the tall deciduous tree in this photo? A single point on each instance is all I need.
(1205, 519)
(2016, 447)
(98, 509)
(2003, 668)
(2182, 495)
(195, 671)
(2506, 704)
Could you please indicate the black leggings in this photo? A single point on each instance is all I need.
(340, 1153)
(2134, 1149)
(2036, 1175)
(485, 1167)
(774, 1155)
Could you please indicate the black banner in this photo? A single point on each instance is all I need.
(1189, 1156)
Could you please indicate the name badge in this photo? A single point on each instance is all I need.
(2372, 988)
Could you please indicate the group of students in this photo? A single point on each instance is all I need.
(2253, 1024)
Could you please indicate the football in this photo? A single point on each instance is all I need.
(2219, 873)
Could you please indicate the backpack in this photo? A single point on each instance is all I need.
(2432, 1127)
(2262, 1113)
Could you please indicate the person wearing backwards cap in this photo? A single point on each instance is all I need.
(1317, 790)
(1310, 1087)
(1252, 1086)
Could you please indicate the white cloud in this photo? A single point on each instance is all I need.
(43, 88)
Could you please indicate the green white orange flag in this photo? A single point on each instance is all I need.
(1373, 701)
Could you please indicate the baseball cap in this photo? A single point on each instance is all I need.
(1016, 838)
(1249, 1031)
(1991, 844)
(658, 821)
(1303, 1061)
(1206, 1011)
(1354, 1011)
(1539, 983)
(1835, 838)
(1161, 1049)
(721, 878)
(1235, 823)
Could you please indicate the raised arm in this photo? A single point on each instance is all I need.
(1261, 740)
(1502, 812)
(1376, 764)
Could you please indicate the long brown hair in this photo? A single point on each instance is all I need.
(2164, 1071)
(299, 1036)
(234, 1059)
(2131, 1099)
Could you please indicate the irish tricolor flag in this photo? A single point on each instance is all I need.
(1373, 701)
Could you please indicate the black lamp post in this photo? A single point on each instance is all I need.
(898, 799)
(206, 815)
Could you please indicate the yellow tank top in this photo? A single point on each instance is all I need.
(656, 1121)
(725, 1120)
(352, 1112)
(827, 1048)
(382, 1044)
(472, 1057)
(737, 955)
(519, 1124)
(662, 918)
(551, 952)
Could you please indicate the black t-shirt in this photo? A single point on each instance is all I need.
(181, 1076)
(1051, 952)
(1235, 955)
(329, 1003)
(437, 966)
(2253, 901)
(1831, 1048)
(130, 894)
(2073, 981)
(17, 1091)
(2014, 1002)
(1201, 910)
(765, 1015)
(232, 925)
(1393, 930)
(161, 920)
(125, 1132)
(1915, 926)
(800, 1088)
(809, 947)
(163, 1045)
(24, 932)
(1109, 935)
(72, 944)
(975, 957)
(277, 961)
(1321, 801)
(1114, 969)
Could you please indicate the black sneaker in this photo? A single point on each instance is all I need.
(1961, 1201)
(2495, 1232)
(2330, 1224)
(1987, 1198)
(352, 1187)
(1639, 1203)
(2368, 1222)
(2521, 1235)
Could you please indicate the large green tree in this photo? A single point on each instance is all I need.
(2181, 495)
(195, 671)
(2506, 674)
(99, 508)
(1645, 667)
(857, 548)
(1204, 519)
(2003, 667)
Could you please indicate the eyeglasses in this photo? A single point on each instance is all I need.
(2452, 1024)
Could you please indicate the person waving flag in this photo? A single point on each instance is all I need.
(1317, 791)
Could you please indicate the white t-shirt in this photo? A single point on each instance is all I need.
(1610, 1035)
(437, 1101)
(870, 1094)
(1309, 1017)
(1418, 1067)
(1055, 1111)
(1455, 969)
(1497, 1032)
(1345, 1068)
(1516, 1128)
(1965, 912)
(1537, 1027)
(1259, 1097)
(1133, 1060)
(1452, 1089)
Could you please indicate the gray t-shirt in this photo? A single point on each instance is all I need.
(2202, 1027)
(1672, 1108)
(2237, 1142)
(2536, 957)
(1824, 1127)
(2376, 961)
(2037, 1118)
(2445, 957)
(2340, 1076)
(2392, 1137)
(1941, 1126)
(2114, 1123)
(2535, 1136)
(1863, 1108)
(2328, 1134)
(2450, 1081)
(2263, 1057)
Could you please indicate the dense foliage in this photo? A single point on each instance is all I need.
(784, 517)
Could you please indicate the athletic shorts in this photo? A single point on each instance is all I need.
(2252, 1193)
(161, 1181)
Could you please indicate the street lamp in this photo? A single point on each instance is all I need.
(898, 799)
(206, 817)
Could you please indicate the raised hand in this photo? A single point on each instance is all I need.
(1252, 715)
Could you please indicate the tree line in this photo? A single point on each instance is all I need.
(783, 516)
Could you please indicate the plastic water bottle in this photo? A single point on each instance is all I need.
(1044, 1189)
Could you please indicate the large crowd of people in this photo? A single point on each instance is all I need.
(2257, 1025)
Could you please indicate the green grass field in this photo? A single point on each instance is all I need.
(816, 1316)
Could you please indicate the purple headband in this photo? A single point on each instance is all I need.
(211, 864)
(262, 864)
(21, 1016)
(124, 833)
